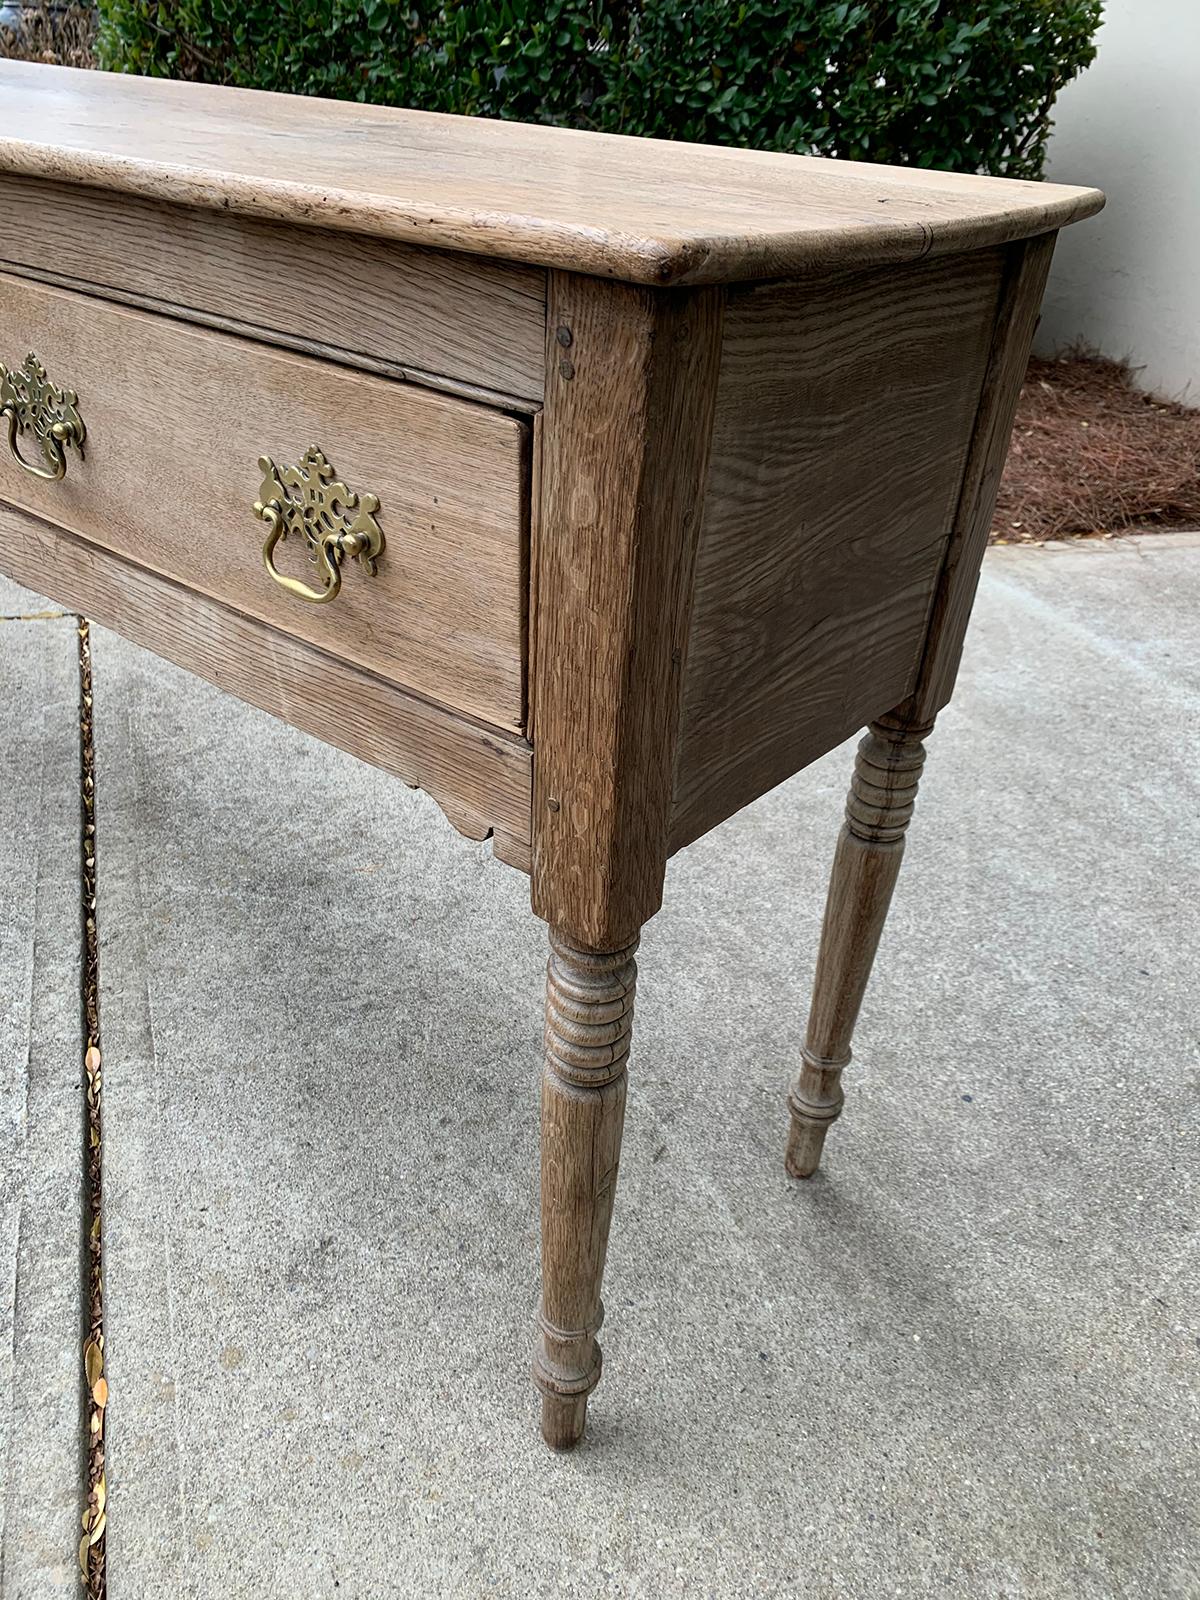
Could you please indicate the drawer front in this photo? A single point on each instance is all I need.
(177, 418)
(458, 317)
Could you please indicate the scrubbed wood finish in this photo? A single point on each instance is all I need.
(644, 210)
(892, 755)
(687, 476)
(177, 419)
(826, 516)
(629, 397)
(1026, 269)
(462, 320)
(589, 1022)
(878, 810)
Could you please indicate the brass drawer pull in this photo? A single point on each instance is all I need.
(31, 402)
(334, 523)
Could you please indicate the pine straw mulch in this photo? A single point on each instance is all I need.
(1092, 455)
(58, 36)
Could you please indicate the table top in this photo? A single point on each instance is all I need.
(643, 210)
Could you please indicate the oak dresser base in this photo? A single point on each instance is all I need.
(593, 485)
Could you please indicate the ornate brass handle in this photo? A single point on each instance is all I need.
(29, 401)
(334, 523)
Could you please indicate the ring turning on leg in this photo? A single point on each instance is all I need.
(878, 809)
(589, 1019)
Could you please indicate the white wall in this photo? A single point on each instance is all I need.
(1128, 281)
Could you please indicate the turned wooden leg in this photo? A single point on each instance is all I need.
(883, 791)
(589, 1018)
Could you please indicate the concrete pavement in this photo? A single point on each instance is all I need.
(41, 1105)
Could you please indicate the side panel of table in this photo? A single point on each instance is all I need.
(845, 412)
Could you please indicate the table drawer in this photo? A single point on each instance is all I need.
(177, 419)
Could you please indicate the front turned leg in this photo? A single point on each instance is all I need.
(878, 808)
(589, 1018)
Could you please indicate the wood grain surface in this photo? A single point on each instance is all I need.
(442, 316)
(177, 418)
(481, 778)
(649, 211)
(844, 414)
(589, 1024)
(630, 384)
(1026, 270)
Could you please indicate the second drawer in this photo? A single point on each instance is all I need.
(176, 420)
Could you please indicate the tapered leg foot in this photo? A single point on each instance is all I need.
(563, 1421)
(804, 1150)
(879, 807)
(589, 1020)
(811, 1118)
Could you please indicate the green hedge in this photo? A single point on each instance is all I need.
(943, 83)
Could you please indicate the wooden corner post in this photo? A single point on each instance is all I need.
(630, 388)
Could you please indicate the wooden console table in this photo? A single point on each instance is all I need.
(594, 485)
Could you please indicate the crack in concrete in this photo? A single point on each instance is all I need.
(92, 1547)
